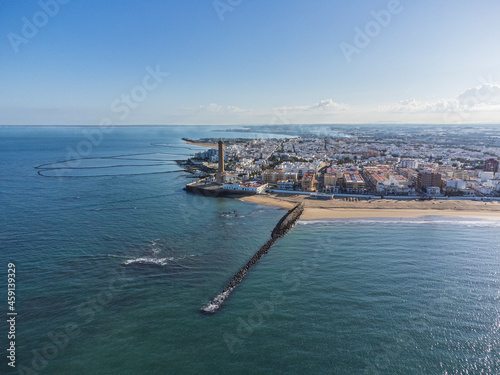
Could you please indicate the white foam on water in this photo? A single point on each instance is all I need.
(148, 260)
(155, 246)
(216, 303)
(436, 220)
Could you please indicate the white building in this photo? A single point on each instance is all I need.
(484, 190)
(485, 176)
(409, 163)
(250, 187)
(301, 168)
(433, 190)
(496, 184)
(456, 184)
(287, 185)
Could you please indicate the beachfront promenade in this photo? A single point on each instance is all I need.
(371, 196)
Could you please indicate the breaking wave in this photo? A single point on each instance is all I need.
(435, 220)
(148, 261)
(157, 252)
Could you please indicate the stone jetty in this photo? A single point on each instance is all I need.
(282, 228)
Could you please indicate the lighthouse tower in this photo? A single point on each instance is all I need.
(220, 171)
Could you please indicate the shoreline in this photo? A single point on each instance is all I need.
(210, 145)
(379, 208)
(338, 209)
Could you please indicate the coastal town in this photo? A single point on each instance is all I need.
(426, 164)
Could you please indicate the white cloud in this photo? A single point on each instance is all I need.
(323, 111)
(210, 114)
(486, 97)
(326, 106)
(479, 104)
(211, 108)
(482, 98)
(217, 108)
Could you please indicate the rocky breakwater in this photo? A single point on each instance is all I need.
(282, 228)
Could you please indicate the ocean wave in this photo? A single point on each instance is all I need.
(434, 220)
(148, 261)
(112, 208)
(159, 252)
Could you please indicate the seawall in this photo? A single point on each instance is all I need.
(214, 190)
(282, 228)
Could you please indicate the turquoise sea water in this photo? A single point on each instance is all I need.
(114, 263)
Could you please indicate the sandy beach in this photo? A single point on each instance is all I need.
(380, 208)
(375, 208)
(211, 145)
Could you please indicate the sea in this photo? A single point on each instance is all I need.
(114, 261)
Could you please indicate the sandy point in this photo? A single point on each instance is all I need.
(211, 145)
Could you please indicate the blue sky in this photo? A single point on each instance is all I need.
(239, 62)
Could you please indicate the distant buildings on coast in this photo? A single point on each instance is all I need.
(351, 166)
